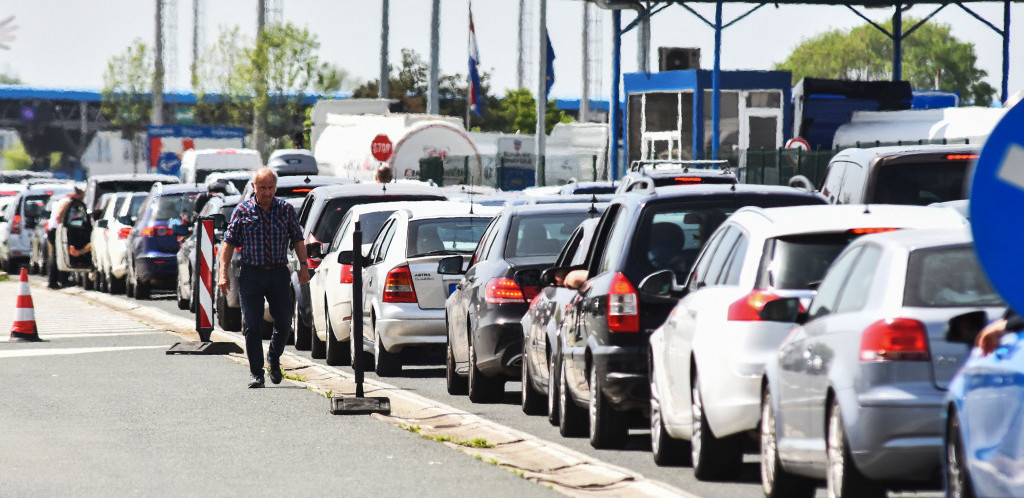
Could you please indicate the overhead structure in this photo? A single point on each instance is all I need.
(646, 9)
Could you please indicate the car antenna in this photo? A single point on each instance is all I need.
(307, 180)
(593, 205)
(733, 187)
(867, 208)
(471, 193)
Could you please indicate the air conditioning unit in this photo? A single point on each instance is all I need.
(675, 58)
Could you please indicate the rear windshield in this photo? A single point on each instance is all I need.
(944, 277)
(795, 262)
(334, 211)
(369, 224)
(35, 206)
(446, 235)
(922, 183)
(541, 234)
(594, 190)
(174, 206)
(683, 179)
(295, 192)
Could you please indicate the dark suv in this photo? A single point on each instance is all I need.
(152, 244)
(604, 339)
(483, 313)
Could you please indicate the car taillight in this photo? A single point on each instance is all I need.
(16, 225)
(313, 263)
(687, 179)
(503, 290)
(865, 231)
(124, 232)
(623, 306)
(894, 339)
(346, 274)
(398, 286)
(158, 231)
(748, 308)
(961, 157)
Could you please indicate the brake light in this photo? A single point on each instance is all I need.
(157, 231)
(688, 179)
(301, 190)
(961, 157)
(226, 151)
(894, 339)
(5, 193)
(865, 231)
(748, 308)
(398, 286)
(124, 232)
(504, 290)
(16, 225)
(623, 306)
(346, 274)
(312, 263)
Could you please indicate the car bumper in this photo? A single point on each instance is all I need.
(624, 378)
(158, 268)
(402, 325)
(499, 348)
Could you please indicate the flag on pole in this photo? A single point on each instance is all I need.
(475, 102)
(550, 75)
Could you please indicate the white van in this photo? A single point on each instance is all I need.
(196, 164)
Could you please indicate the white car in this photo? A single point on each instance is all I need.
(717, 332)
(19, 219)
(404, 295)
(110, 239)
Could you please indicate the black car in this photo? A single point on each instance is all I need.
(485, 336)
(604, 339)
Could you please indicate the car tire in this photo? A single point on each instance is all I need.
(88, 283)
(228, 318)
(714, 459)
(554, 386)
(457, 385)
(115, 285)
(336, 353)
(183, 304)
(958, 479)
(842, 478)
(667, 450)
(142, 289)
(775, 481)
(608, 428)
(533, 402)
(385, 364)
(481, 388)
(572, 421)
(300, 331)
(129, 284)
(317, 348)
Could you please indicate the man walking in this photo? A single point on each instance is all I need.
(263, 227)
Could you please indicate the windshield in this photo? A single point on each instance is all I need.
(947, 277)
(541, 234)
(794, 262)
(921, 184)
(334, 211)
(438, 236)
(172, 206)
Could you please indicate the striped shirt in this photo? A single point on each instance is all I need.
(264, 236)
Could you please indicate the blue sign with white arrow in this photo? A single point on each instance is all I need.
(997, 207)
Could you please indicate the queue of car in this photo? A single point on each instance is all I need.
(731, 318)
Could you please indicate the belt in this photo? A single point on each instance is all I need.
(265, 267)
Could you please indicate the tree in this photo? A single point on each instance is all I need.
(125, 94)
(932, 59)
(223, 86)
(9, 79)
(15, 157)
(518, 113)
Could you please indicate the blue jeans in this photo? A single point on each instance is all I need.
(254, 285)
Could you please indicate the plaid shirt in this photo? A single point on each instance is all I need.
(264, 236)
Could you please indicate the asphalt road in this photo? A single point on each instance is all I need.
(428, 381)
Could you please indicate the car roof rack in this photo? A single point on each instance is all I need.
(665, 165)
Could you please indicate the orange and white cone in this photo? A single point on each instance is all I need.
(24, 327)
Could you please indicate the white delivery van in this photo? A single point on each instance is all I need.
(197, 164)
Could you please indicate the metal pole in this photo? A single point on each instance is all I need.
(643, 44)
(897, 43)
(521, 58)
(195, 42)
(357, 307)
(716, 83)
(434, 105)
(542, 94)
(1006, 51)
(469, 77)
(157, 114)
(585, 97)
(259, 111)
(385, 73)
(616, 112)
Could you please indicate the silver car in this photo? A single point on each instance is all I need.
(855, 394)
(404, 295)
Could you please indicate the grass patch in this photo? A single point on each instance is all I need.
(415, 429)
(295, 377)
(477, 443)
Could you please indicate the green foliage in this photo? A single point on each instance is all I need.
(517, 112)
(126, 88)
(932, 59)
(223, 82)
(9, 79)
(15, 157)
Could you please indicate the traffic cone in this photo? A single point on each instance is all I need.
(24, 327)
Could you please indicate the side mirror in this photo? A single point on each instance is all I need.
(966, 327)
(452, 265)
(102, 223)
(527, 278)
(219, 222)
(549, 277)
(661, 283)
(781, 310)
(314, 250)
(345, 258)
(125, 220)
(181, 230)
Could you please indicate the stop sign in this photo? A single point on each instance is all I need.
(381, 147)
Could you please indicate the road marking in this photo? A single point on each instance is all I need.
(65, 351)
(103, 334)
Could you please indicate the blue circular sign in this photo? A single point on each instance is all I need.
(168, 164)
(996, 199)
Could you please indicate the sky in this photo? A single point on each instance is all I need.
(62, 43)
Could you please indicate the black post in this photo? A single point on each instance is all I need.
(357, 307)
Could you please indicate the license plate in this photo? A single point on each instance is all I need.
(451, 288)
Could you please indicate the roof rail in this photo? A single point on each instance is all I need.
(755, 210)
(685, 164)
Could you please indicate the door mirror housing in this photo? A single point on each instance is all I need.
(346, 258)
(786, 309)
(315, 250)
(219, 222)
(966, 327)
(452, 265)
(126, 220)
(102, 223)
(662, 284)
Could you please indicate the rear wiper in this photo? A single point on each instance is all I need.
(439, 252)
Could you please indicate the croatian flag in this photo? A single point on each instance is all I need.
(475, 103)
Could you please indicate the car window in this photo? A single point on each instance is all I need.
(696, 279)
(335, 209)
(796, 261)
(946, 277)
(387, 234)
(833, 180)
(855, 293)
(620, 230)
(540, 234)
(166, 207)
(734, 264)
(670, 234)
(438, 236)
(853, 181)
(920, 183)
(375, 249)
(825, 300)
(717, 265)
(570, 249)
(597, 247)
(76, 217)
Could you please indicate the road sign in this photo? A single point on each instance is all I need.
(798, 143)
(381, 147)
(996, 197)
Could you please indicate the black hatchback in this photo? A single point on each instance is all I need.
(604, 342)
